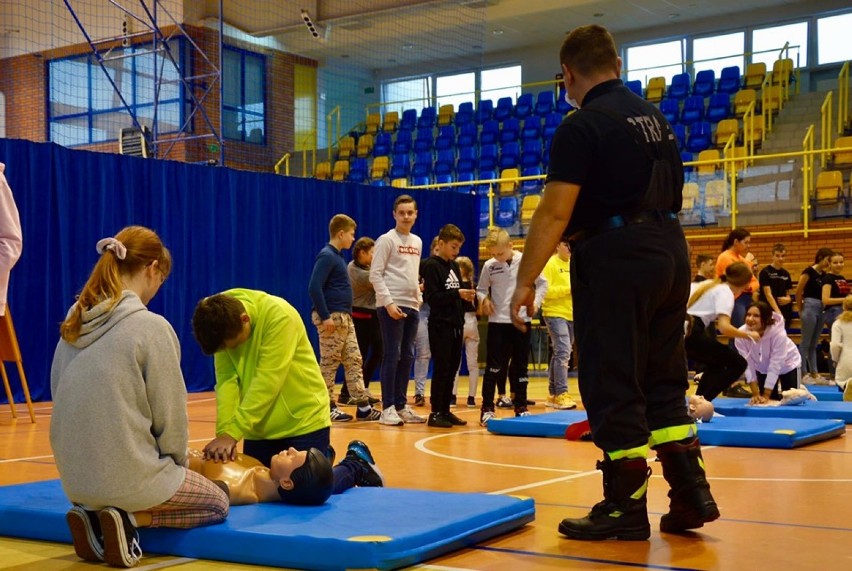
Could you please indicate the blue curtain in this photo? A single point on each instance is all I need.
(225, 228)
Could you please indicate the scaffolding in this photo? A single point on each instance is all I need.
(152, 34)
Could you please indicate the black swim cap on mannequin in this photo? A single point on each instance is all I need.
(313, 481)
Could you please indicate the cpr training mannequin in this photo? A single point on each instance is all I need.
(297, 477)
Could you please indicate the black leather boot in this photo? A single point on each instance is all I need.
(623, 513)
(691, 504)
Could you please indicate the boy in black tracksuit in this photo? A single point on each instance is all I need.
(441, 290)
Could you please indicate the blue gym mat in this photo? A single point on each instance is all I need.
(825, 393)
(774, 432)
(808, 409)
(359, 529)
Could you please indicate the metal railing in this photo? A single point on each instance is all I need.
(843, 99)
(825, 127)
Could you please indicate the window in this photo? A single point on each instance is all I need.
(766, 44)
(833, 38)
(406, 94)
(455, 89)
(83, 107)
(244, 93)
(654, 60)
(500, 82)
(723, 51)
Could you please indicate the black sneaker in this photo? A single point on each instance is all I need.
(121, 540)
(471, 402)
(453, 400)
(373, 400)
(504, 402)
(86, 534)
(530, 402)
(338, 415)
(419, 400)
(456, 421)
(439, 420)
(369, 415)
(358, 451)
(737, 392)
(346, 401)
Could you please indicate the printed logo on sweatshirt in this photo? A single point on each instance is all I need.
(452, 280)
(409, 250)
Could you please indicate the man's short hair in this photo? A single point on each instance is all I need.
(450, 232)
(404, 199)
(497, 238)
(701, 259)
(588, 50)
(779, 247)
(340, 223)
(313, 481)
(216, 319)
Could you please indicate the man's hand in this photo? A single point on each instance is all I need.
(328, 325)
(784, 300)
(394, 311)
(467, 294)
(486, 307)
(524, 296)
(221, 449)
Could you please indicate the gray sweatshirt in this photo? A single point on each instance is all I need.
(363, 294)
(119, 427)
(395, 271)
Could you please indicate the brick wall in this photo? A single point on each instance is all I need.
(23, 80)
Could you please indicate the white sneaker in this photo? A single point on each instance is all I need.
(390, 417)
(485, 416)
(407, 415)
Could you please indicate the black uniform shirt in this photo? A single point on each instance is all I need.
(441, 281)
(598, 153)
(778, 280)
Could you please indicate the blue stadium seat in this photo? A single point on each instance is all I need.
(464, 177)
(424, 140)
(445, 163)
(635, 86)
(562, 105)
(468, 135)
(531, 153)
(400, 166)
(444, 179)
(484, 211)
(531, 186)
(679, 89)
(382, 146)
(545, 153)
(465, 114)
(427, 118)
(532, 128)
(510, 155)
(422, 164)
(446, 138)
(705, 83)
(402, 144)
(505, 109)
(693, 110)
(685, 157)
(409, 120)
(420, 180)
(719, 107)
(680, 135)
(490, 133)
(544, 103)
(729, 80)
(524, 106)
(510, 131)
(483, 188)
(507, 212)
(484, 111)
(487, 157)
(700, 137)
(551, 122)
(466, 163)
(670, 108)
(358, 171)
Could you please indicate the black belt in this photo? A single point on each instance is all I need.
(622, 220)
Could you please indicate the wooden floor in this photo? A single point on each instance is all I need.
(781, 509)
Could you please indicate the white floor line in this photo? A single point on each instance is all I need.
(166, 564)
(544, 483)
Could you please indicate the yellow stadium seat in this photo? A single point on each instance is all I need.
(754, 129)
(738, 153)
(773, 98)
(341, 170)
(346, 147)
(742, 99)
(708, 155)
(844, 157)
(829, 187)
(716, 194)
(391, 122)
(508, 187)
(656, 89)
(323, 171)
(399, 182)
(725, 129)
(754, 75)
(782, 69)
(380, 168)
(365, 146)
(690, 195)
(528, 206)
(374, 121)
(445, 115)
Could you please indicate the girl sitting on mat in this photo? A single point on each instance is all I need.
(841, 348)
(119, 428)
(714, 301)
(773, 360)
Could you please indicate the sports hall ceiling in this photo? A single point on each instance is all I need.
(378, 34)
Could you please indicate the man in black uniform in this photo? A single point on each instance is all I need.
(613, 189)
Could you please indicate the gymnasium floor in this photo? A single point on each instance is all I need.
(781, 509)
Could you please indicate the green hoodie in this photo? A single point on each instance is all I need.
(270, 387)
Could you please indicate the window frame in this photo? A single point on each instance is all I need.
(241, 109)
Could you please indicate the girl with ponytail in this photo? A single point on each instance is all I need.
(119, 429)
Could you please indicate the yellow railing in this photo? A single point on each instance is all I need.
(333, 136)
(285, 160)
(764, 102)
(843, 98)
(825, 127)
(807, 176)
(748, 128)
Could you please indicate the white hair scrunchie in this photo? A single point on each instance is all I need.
(119, 249)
